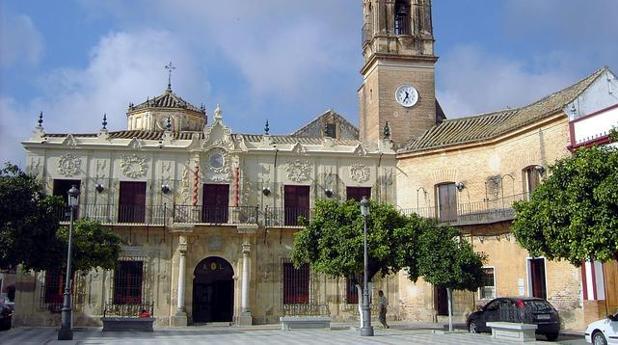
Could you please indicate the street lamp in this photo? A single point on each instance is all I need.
(366, 329)
(65, 332)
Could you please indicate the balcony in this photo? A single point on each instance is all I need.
(472, 213)
(189, 214)
(481, 212)
(161, 215)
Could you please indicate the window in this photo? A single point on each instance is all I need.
(330, 130)
(357, 193)
(295, 284)
(216, 200)
(296, 204)
(446, 199)
(128, 279)
(488, 287)
(54, 290)
(402, 17)
(532, 178)
(132, 207)
(351, 292)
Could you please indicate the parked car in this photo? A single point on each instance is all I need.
(603, 332)
(6, 313)
(517, 309)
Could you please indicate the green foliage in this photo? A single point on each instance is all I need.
(447, 260)
(30, 234)
(333, 241)
(93, 245)
(573, 215)
(333, 244)
(28, 221)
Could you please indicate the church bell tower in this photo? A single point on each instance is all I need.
(398, 73)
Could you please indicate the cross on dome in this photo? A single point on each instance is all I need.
(169, 67)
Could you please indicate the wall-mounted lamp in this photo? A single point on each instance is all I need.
(540, 169)
(266, 191)
(329, 192)
(460, 186)
(165, 188)
(99, 188)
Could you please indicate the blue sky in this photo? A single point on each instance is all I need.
(281, 60)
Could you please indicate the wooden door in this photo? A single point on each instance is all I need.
(215, 203)
(537, 278)
(447, 202)
(296, 203)
(132, 205)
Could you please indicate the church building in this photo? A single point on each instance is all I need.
(207, 215)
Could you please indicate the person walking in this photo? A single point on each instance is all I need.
(382, 304)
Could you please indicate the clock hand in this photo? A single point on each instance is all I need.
(407, 96)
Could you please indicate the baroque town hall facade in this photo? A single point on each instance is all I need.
(207, 216)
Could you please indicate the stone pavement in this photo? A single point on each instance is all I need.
(251, 335)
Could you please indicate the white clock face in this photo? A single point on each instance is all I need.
(406, 95)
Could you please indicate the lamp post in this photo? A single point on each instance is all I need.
(366, 329)
(65, 332)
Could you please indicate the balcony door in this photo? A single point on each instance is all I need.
(215, 199)
(296, 203)
(536, 276)
(446, 196)
(132, 205)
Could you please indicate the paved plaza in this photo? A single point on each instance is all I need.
(253, 335)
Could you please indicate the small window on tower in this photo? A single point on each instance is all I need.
(331, 130)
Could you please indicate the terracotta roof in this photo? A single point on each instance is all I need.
(314, 128)
(138, 134)
(166, 100)
(487, 126)
(288, 139)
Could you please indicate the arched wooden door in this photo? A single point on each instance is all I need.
(213, 291)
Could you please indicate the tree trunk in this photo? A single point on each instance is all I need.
(449, 294)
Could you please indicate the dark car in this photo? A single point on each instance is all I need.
(517, 309)
(6, 313)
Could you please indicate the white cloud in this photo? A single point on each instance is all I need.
(20, 41)
(123, 67)
(471, 80)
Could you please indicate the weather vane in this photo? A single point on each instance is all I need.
(169, 67)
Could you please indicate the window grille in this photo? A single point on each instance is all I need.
(128, 279)
(295, 284)
(488, 289)
(53, 291)
(351, 292)
(331, 130)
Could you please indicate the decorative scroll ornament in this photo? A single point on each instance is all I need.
(69, 164)
(299, 171)
(359, 172)
(133, 166)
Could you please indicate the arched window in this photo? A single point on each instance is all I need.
(402, 17)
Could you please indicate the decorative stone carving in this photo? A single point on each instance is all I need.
(359, 172)
(100, 170)
(299, 170)
(35, 166)
(134, 166)
(69, 164)
(218, 166)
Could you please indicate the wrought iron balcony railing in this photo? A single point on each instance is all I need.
(480, 212)
(118, 214)
(215, 215)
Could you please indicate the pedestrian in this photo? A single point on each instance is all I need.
(382, 304)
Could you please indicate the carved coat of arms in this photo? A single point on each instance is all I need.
(134, 166)
(69, 164)
(299, 170)
(359, 172)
